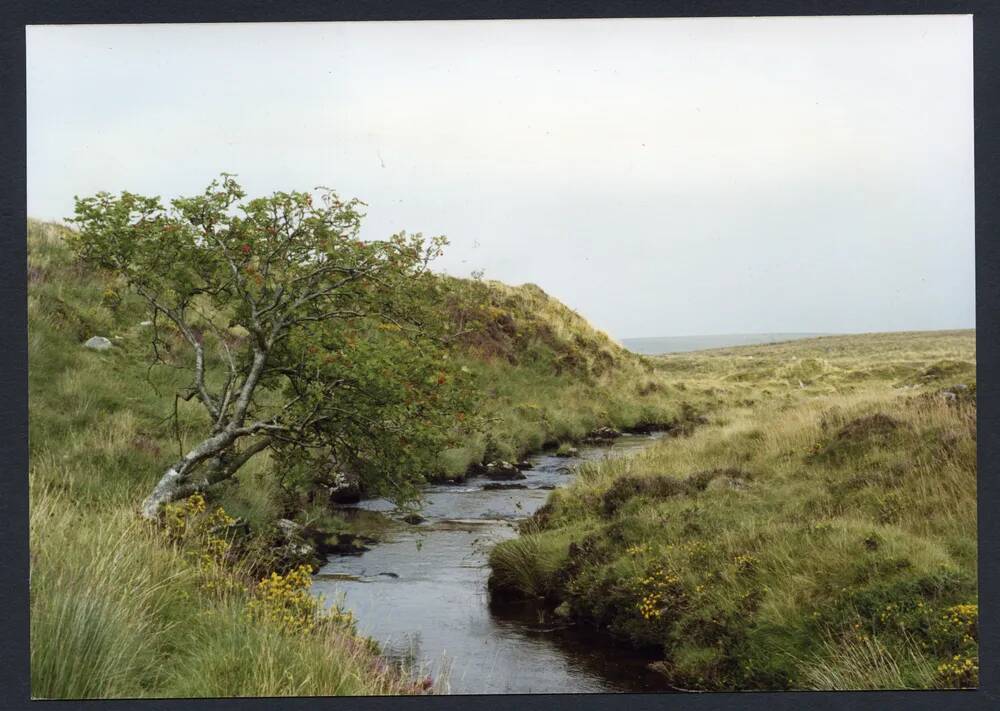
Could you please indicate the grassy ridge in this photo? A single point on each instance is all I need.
(545, 375)
(819, 532)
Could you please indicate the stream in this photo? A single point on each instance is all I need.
(421, 593)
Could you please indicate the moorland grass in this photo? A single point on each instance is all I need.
(546, 377)
(818, 532)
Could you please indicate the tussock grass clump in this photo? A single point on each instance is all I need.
(628, 487)
(861, 435)
(869, 664)
(528, 566)
(816, 534)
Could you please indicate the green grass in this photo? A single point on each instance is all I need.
(816, 533)
(118, 612)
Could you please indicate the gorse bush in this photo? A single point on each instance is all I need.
(286, 602)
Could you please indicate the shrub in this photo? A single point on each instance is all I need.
(285, 602)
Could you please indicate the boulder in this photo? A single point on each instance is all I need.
(344, 544)
(345, 488)
(502, 470)
(649, 427)
(288, 528)
(292, 555)
(98, 343)
(523, 465)
(958, 393)
(292, 547)
(603, 434)
(500, 486)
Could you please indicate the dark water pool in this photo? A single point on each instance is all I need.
(422, 594)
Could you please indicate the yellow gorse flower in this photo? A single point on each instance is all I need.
(203, 533)
(285, 602)
(658, 589)
(959, 671)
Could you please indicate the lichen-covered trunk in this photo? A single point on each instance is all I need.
(174, 480)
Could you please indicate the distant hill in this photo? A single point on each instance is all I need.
(685, 344)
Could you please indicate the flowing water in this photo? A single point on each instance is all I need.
(421, 593)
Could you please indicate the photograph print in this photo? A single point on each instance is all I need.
(502, 357)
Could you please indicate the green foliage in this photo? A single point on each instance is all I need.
(306, 340)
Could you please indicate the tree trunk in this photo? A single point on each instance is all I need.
(164, 492)
(176, 482)
(172, 483)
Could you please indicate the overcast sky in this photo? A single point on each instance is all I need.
(662, 177)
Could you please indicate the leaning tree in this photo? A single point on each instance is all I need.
(302, 339)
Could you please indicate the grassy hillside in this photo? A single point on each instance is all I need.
(818, 532)
(546, 376)
(122, 609)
